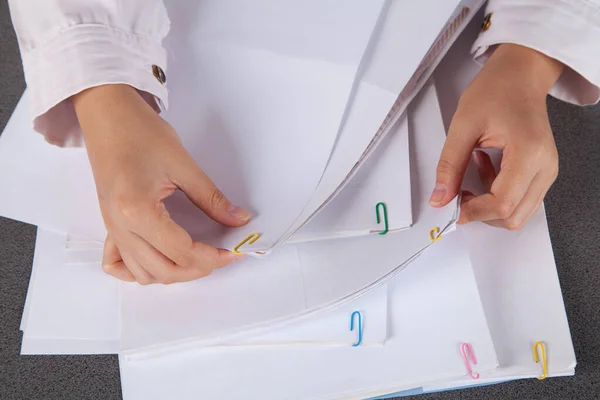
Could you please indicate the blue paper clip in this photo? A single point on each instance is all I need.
(359, 327)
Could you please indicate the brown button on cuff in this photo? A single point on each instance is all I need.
(159, 74)
(487, 22)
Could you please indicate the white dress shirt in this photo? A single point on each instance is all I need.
(69, 45)
(566, 30)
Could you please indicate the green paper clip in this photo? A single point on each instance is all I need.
(385, 218)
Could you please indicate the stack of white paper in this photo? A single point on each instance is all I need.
(314, 129)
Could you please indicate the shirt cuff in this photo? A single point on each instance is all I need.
(568, 31)
(84, 56)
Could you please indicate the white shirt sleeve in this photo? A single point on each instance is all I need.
(566, 30)
(71, 45)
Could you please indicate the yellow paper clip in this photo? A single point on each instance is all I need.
(250, 239)
(432, 234)
(537, 359)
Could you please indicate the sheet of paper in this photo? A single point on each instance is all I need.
(434, 307)
(515, 271)
(304, 84)
(332, 327)
(30, 289)
(521, 296)
(507, 265)
(490, 380)
(427, 138)
(74, 309)
(70, 309)
(283, 290)
(391, 65)
(385, 177)
(458, 384)
(236, 136)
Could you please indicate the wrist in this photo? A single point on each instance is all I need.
(99, 108)
(535, 71)
(100, 102)
(99, 95)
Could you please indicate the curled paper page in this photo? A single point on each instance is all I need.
(401, 68)
(296, 281)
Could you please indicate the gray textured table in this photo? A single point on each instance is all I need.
(573, 207)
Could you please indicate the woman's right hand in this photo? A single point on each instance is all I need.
(503, 108)
(138, 160)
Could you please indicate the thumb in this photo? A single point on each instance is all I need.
(454, 160)
(202, 191)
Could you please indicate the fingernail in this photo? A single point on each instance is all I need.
(237, 257)
(439, 192)
(477, 158)
(233, 257)
(239, 213)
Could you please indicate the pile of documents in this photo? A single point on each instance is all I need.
(329, 132)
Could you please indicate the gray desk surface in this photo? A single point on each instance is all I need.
(573, 207)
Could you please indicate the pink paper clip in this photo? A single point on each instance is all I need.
(464, 348)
